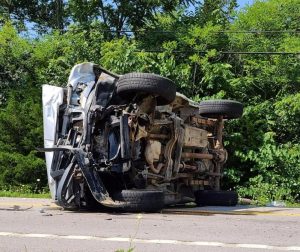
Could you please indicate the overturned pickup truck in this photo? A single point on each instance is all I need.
(131, 142)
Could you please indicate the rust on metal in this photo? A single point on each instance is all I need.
(201, 121)
(197, 155)
(158, 136)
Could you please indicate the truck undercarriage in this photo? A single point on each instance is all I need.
(131, 142)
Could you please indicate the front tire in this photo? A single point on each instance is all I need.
(141, 200)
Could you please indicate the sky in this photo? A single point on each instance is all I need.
(243, 3)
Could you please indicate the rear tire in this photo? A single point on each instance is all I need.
(141, 200)
(216, 198)
(227, 108)
(130, 84)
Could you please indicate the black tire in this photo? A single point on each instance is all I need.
(227, 108)
(216, 198)
(141, 200)
(130, 84)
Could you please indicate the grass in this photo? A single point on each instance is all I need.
(4, 193)
(24, 191)
(293, 204)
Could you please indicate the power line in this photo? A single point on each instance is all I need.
(221, 52)
(253, 31)
(271, 53)
(223, 31)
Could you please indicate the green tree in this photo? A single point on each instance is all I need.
(43, 14)
(265, 153)
(217, 12)
(21, 132)
(119, 14)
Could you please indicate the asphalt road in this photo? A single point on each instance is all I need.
(38, 225)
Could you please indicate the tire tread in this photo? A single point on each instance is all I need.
(141, 200)
(131, 83)
(229, 109)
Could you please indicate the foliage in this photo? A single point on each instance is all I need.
(265, 153)
(218, 12)
(118, 14)
(263, 145)
(44, 14)
(15, 71)
(21, 127)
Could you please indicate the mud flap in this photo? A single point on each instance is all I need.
(94, 182)
(92, 179)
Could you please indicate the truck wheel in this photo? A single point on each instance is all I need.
(227, 108)
(141, 200)
(130, 84)
(216, 198)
